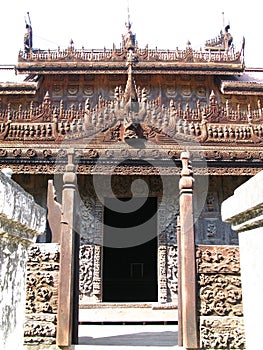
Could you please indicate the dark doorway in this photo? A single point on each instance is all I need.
(130, 267)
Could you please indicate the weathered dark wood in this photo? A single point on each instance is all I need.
(67, 262)
(53, 213)
(187, 258)
(180, 328)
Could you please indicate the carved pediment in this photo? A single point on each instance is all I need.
(131, 131)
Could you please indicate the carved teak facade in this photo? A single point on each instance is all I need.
(124, 114)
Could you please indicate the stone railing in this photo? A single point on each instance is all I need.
(21, 220)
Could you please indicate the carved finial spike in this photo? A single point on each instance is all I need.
(223, 16)
(47, 97)
(128, 24)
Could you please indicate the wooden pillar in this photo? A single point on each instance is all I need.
(66, 296)
(180, 328)
(53, 213)
(188, 296)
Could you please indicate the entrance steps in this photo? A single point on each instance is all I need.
(127, 312)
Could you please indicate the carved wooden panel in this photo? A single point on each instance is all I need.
(210, 229)
(86, 264)
(172, 273)
(217, 259)
(91, 235)
(220, 297)
(42, 294)
(90, 273)
(222, 333)
(168, 256)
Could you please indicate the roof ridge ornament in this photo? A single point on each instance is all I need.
(223, 42)
(128, 24)
(129, 39)
(130, 94)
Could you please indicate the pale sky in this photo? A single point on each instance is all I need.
(96, 24)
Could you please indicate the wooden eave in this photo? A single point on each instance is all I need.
(234, 160)
(207, 68)
(16, 88)
(241, 88)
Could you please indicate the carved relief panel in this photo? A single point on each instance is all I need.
(90, 218)
(220, 297)
(209, 227)
(167, 250)
(42, 294)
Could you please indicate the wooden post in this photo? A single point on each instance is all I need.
(187, 258)
(180, 328)
(53, 213)
(66, 300)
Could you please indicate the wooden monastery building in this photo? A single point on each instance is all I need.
(119, 119)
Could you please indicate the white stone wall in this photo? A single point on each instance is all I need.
(21, 221)
(244, 210)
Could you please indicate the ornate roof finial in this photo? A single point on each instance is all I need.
(128, 40)
(130, 93)
(128, 24)
(223, 15)
(28, 37)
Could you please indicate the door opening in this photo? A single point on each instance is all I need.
(130, 272)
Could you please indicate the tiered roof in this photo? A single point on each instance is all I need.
(130, 114)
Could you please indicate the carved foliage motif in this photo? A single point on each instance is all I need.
(172, 272)
(220, 295)
(168, 259)
(218, 259)
(87, 220)
(86, 268)
(42, 294)
(90, 219)
(222, 333)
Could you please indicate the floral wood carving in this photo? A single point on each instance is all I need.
(42, 294)
(220, 295)
(218, 259)
(168, 258)
(222, 333)
(90, 225)
(86, 268)
(172, 272)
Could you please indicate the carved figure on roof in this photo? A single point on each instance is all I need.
(132, 130)
(222, 42)
(228, 39)
(28, 37)
(128, 40)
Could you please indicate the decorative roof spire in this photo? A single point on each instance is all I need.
(130, 89)
(128, 40)
(128, 24)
